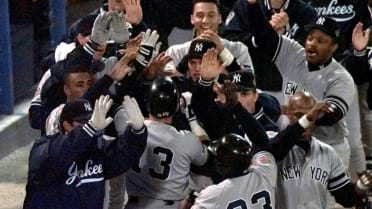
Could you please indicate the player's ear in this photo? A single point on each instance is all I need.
(66, 90)
(192, 19)
(66, 127)
(219, 19)
(334, 46)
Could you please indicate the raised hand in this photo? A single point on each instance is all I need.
(120, 33)
(121, 68)
(147, 46)
(133, 113)
(360, 38)
(156, 66)
(318, 110)
(101, 28)
(213, 36)
(185, 106)
(365, 180)
(133, 11)
(279, 21)
(210, 66)
(101, 107)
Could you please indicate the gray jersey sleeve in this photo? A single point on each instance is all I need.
(199, 151)
(338, 177)
(341, 89)
(289, 56)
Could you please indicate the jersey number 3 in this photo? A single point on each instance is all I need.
(164, 163)
(254, 200)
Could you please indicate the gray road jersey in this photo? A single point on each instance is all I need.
(255, 190)
(303, 179)
(238, 49)
(332, 83)
(164, 166)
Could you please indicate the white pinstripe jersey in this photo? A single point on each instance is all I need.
(238, 49)
(304, 178)
(52, 122)
(331, 83)
(164, 166)
(255, 190)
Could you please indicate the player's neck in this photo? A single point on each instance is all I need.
(167, 120)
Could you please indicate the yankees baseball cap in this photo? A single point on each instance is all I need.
(327, 25)
(198, 47)
(78, 110)
(244, 80)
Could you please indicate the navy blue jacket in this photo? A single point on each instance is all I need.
(68, 171)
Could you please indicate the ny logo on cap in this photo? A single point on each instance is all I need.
(236, 78)
(320, 21)
(199, 47)
(87, 107)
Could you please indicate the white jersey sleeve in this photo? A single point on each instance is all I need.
(52, 122)
(177, 52)
(240, 52)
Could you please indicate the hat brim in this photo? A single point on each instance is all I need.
(84, 117)
(244, 88)
(311, 26)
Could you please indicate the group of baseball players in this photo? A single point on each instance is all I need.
(258, 110)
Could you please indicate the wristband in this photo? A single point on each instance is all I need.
(91, 47)
(360, 53)
(304, 122)
(205, 83)
(226, 56)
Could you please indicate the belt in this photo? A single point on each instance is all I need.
(135, 200)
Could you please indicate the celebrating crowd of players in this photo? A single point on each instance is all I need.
(260, 110)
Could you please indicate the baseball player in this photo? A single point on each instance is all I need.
(206, 17)
(68, 170)
(237, 163)
(311, 168)
(160, 179)
(311, 69)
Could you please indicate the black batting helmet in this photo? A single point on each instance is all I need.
(163, 98)
(233, 155)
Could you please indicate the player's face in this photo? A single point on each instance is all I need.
(194, 68)
(82, 40)
(205, 16)
(319, 47)
(115, 5)
(248, 99)
(296, 109)
(77, 84)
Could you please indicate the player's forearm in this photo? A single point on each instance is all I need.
(358, 66)
(331, 118)
(251, 126)
(284, 140)
(348, 195)
(265, 37)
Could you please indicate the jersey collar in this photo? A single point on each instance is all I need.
(315, 67)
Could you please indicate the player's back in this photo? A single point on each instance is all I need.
(164, 166)
(254, 190)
